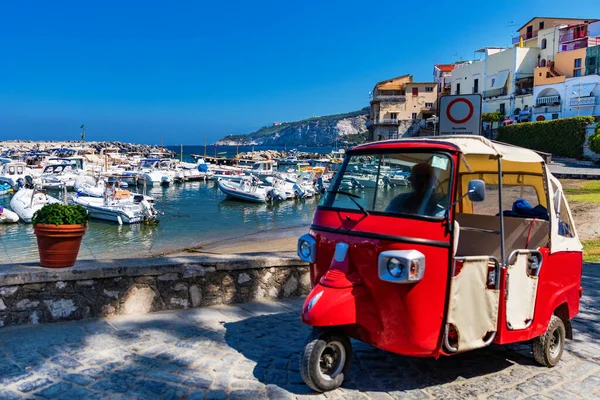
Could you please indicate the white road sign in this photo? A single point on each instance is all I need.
(460, 114)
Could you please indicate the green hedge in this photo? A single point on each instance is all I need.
(561, 137)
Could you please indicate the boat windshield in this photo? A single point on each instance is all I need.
(394, 183)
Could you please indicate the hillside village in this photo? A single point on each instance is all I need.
(551, 72)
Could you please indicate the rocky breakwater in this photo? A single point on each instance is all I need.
(274, 155)
(27, 146)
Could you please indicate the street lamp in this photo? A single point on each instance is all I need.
(578, 94)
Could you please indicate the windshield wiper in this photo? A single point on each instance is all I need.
(351, 196)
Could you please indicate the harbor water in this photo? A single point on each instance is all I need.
(196, 214)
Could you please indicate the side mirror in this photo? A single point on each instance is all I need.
(476, 190)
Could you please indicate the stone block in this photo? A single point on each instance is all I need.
(195, 295)
(138, 300)
(290, 286)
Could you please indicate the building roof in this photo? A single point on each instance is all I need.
(567, 19)
(393, 79)
(445, 67)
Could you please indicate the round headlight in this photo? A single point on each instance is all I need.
(395, 267)
(305, 249)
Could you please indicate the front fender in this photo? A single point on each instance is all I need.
(327, 306)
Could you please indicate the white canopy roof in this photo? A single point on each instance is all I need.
(500, 80)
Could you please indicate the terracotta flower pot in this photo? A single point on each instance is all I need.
(58, 245)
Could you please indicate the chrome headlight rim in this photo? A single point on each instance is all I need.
(307, 244)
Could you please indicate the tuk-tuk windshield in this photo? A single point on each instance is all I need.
(393, 183)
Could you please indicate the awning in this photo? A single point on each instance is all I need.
(583, 89)
(500, 80)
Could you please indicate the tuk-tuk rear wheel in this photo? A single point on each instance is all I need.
(548, 348)
(325, 360)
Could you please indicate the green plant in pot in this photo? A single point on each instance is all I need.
(59, 229)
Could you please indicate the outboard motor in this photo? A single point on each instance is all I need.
(20, 183)
(299, 191)
(28, 182)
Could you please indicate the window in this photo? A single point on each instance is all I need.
(429, 89)
(542, 25)
(414, 115)
(592, 61)
(457, 88)
(383, 183)
(543, 45)
(554, 116)
(578, 63)
(415, 91)
(476, 86)
(565, 225)
(493, 81)
(576, 72)
(502, 109)
(510, 194)
(393, 115)
(429, 105)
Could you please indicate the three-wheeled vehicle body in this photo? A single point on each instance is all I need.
(477, 247)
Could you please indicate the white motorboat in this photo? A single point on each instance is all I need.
(14, 173)
(121, 207)
(58, 176)
(7, 216)
(28, 200)
(90, 186)
(262, 169)
(151, 174)
(250, 190)
(290, 189)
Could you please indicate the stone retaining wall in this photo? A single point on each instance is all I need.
(30, 294)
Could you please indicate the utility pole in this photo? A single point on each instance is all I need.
(579, 101)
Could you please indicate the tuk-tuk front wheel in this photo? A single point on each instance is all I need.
(548, 348)
(325, 360)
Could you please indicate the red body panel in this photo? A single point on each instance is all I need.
(407, 317)
(559, 283)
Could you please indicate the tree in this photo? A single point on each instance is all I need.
(492, 117)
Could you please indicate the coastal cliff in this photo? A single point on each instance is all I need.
(317, 131)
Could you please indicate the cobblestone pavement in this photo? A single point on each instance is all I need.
(251, 352)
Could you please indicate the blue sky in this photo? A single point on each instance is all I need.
(180, 71)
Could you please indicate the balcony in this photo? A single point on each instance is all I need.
(582, 101)
(525, 36)
(570, 35)
(523, 91)
(389, 95)
(494, 93)
(388, 121)
(543, 101)
(547, 109)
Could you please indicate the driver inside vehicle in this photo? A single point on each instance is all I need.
(422, 200)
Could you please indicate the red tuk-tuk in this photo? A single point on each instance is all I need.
(434, 246)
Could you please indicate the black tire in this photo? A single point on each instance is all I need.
(548, 348)
(323, 367)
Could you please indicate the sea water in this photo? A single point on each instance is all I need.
(196, 214)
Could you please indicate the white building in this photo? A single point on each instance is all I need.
(504, 78)
(574, 97)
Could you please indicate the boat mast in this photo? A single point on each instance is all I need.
(204, 146)
(181, 154)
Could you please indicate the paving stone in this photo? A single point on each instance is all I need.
(55, 390)
(8, 395)
(78, 379)
(29, 386)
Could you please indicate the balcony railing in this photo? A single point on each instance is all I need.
(572, 35)
(523, 91)
(547, 101)
(583, 101)
(525, 36)
(547, 109)
(494, 93)
(392, 98)
(388, 121)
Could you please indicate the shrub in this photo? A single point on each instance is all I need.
(594, 142)
(61, 214)
(561, 137)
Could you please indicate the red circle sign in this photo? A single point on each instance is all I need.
(459, 121)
